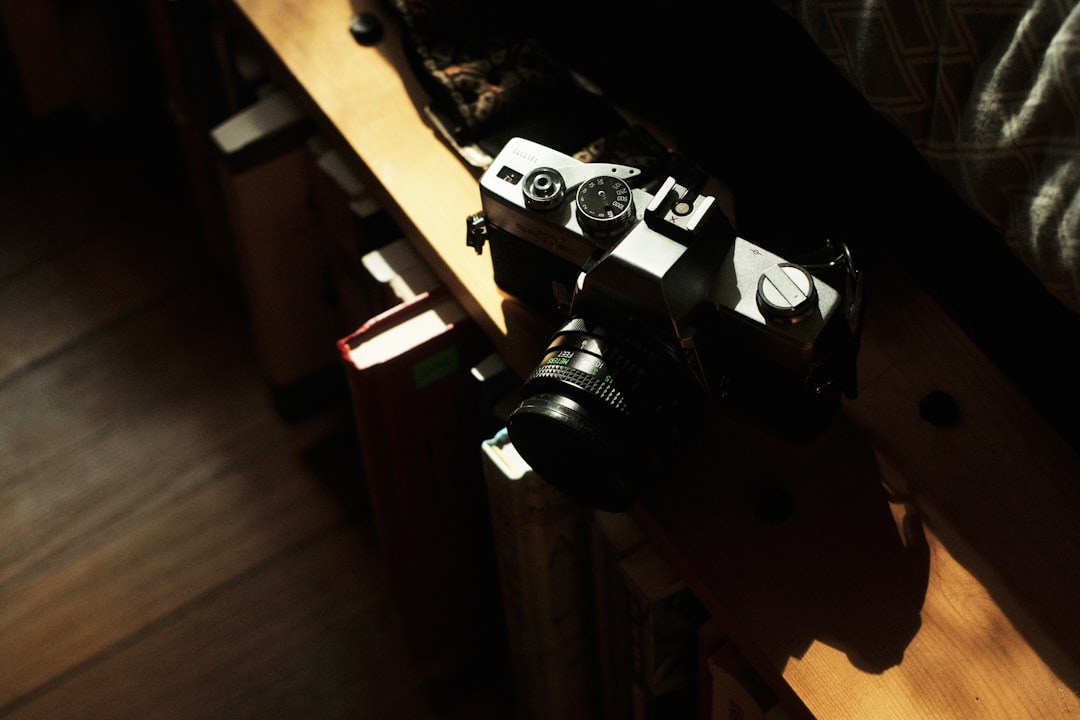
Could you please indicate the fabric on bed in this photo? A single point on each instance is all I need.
(989, 93)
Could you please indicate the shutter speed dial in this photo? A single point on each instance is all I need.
(605, 205)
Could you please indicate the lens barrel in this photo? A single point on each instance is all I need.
(596, 409)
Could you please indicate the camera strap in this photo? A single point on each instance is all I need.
(835, 265)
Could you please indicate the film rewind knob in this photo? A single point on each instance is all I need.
(786, 292)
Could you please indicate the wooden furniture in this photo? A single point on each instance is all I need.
(922, 571)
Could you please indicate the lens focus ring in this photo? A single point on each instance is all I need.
(592, 384)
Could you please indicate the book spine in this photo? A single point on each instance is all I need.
(613, 536)
(711, 637)
(664, 617)
(541, 548)
(354, 225)
(737, 691)
(414, 420)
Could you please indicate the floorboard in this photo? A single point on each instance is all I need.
(170, 547)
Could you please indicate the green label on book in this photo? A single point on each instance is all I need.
(436, 367)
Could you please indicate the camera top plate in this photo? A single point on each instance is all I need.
(521, 156)
(541, 213)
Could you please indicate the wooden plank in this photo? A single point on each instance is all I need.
(925, 571)
(307, 634)
(142, 468)
(52, 304)
(1000, 486)
(186, 352)
(80, 246)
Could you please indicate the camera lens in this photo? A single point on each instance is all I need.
(598, 409)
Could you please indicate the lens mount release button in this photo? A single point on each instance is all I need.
(786, 292)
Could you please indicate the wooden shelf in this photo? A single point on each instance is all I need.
(373, 110)
(925, 572)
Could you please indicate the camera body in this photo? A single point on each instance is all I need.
(665, 311)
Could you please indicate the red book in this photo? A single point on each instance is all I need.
(415, 411)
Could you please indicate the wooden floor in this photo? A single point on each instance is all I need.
(169, 547)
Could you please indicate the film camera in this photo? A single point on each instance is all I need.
(663, 311)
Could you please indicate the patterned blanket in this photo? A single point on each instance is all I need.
(989, 93)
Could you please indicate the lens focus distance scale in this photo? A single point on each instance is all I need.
(588, 383)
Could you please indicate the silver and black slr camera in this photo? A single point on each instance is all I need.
(663, 312)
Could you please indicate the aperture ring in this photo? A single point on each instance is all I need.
(593, 385)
